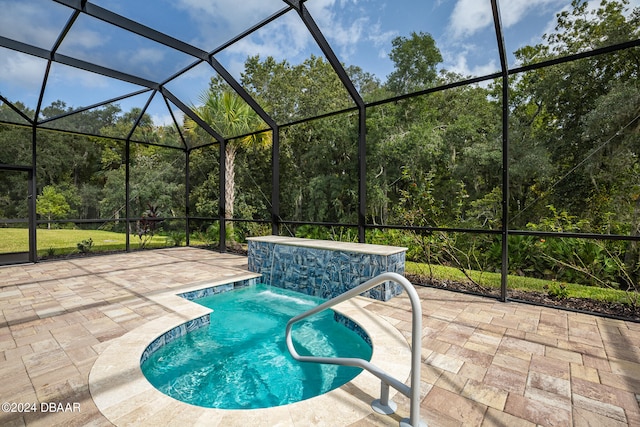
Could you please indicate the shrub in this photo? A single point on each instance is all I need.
(85, 246)
(557, 291)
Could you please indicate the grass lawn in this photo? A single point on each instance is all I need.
(492, 280)
(63, 241)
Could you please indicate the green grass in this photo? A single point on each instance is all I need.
(492, 280)
(64, 241)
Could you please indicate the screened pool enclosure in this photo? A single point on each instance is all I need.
(487, 137)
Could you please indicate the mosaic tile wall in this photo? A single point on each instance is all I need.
(322, 272)
(201, 293)
(351, 325)
(172, 334)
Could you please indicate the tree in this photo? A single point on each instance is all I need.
(318, 159)
(581, 113)
(156, 178)
(450, 136)
(415, 60)
(230, 116)
(51, 204)
(292, 92)
(367, 84)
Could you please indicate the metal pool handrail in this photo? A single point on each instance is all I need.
(382, 405)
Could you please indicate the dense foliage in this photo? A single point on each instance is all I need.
(433, 160)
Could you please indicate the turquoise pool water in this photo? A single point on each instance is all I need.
(240, 361)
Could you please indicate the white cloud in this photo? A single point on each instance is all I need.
(239, 14)
(514, 11)
(347, 37)
(283, 39)
(342, 34)
(166, 119)
(379, 37)
(347, 24)
(85, 39)
(471, 16)
(28, 22)
(219, 20)
(79, 88)
(458, 63)
(62, 75)
(147, 56)
(21, 70)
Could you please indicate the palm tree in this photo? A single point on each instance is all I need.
(229, 115)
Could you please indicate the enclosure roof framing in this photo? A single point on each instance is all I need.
(165, 57)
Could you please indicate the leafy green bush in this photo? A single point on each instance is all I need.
(176, 238)
(85, 246)
(557, 291)
(341, 234)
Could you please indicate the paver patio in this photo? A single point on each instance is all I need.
(485, 363)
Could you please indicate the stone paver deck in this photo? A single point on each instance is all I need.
(485, 363)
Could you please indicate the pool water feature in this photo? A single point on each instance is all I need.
(240, 360)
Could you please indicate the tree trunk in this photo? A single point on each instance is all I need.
(229, 186)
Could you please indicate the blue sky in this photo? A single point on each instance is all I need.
(360, 32)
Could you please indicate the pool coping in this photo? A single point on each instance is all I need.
(125, 397)
(331, 245)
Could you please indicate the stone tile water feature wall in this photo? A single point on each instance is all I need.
(324, 268)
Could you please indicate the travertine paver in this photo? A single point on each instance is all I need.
(533, 365)
(485, 363)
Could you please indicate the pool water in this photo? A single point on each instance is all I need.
(240, 361)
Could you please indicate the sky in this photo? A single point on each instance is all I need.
(360, 33)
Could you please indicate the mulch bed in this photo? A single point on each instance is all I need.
(583, 305)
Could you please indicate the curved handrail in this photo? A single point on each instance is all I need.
(412, 392)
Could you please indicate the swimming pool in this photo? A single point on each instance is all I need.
(240, 360)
